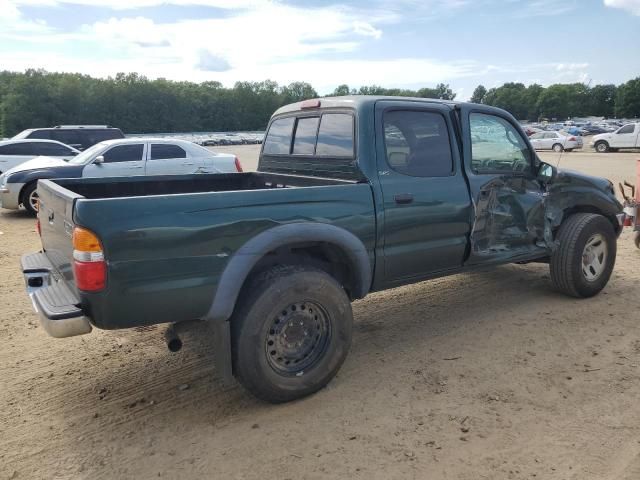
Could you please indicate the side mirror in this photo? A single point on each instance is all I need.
(547, 173)
(98, 160)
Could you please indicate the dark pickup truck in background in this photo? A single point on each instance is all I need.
(352, 195)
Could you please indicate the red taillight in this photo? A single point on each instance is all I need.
(572, 139)
(238, 165)
(90, 276)
(89, 267)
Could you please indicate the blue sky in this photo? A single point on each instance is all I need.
(393, 43)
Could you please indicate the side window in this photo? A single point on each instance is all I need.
(627, 129)
(68, 137)
(17, 149)
(335, 136)
(161, 151)
(124, 153)
(537, 136)
(40, 134)
(417, 143)
(304, 142)
(497, 146)
(53, 149)
(278, 139)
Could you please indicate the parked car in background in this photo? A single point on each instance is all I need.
(593, 130)
(113, 158)
(556, 141)
(77, 136)
(15, 152)
(627, 136)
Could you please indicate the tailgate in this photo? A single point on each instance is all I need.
(56, 224)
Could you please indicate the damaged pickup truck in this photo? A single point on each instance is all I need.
(352, 195)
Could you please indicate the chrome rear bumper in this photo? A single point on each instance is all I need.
(57, 306)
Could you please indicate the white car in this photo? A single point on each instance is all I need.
(627, 136)
(556, 141)
(113, 158)
(15, 152)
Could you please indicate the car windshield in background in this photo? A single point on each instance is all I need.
(87, 155)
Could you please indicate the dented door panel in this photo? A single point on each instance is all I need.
(509, 202)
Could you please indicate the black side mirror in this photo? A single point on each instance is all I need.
(547, 173)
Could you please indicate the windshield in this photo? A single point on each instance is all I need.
(87, 155)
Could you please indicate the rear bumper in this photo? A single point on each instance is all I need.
(56, 304)
(10, 195)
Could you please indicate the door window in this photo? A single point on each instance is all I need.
(496, 146)
(417, 143)
(161, 151)
(537, 136)
(53, 150)
(69, 137)
(124, 153)
(627, 129)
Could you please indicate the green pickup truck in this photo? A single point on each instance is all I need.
(352, 195)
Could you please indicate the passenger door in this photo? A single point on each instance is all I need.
(537, 140)
(170, 159)
(508, 198)
(625, 137)
(119, 161)
(427, 207)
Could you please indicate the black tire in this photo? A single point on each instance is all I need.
(568, 272)
(26, 195)
(273, 301)
(557, 147)
(636, 239)
(601, 147)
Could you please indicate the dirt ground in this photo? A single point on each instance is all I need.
(488, 375)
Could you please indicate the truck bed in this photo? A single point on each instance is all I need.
(167, 240)
(95, 188)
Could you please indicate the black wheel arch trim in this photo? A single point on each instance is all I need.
(247, 256)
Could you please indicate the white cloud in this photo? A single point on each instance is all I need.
(632, 6)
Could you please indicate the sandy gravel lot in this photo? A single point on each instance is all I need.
(489, 375)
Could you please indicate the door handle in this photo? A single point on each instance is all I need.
(187, 163)
(140, 166)
(403, 198)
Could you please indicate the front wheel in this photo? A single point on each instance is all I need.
(30, 198)
(602, 147)
(583, 261)
(290, 333)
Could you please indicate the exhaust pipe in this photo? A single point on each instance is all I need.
(174, 343)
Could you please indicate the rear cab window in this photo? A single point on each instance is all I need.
(326, 134)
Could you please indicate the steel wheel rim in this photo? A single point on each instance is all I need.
(594, 257)
(297, 338)
(33, 200)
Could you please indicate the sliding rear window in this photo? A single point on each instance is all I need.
(328, 135)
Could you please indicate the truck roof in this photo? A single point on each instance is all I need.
(356, 101)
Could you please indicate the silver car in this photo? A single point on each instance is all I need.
(556, 141)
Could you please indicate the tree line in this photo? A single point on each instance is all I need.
(136, 104)
(562, 101)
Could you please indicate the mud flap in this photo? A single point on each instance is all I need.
(222, 350)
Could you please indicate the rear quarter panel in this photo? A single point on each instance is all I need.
(166, 254)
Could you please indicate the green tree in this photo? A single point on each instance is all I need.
(478, 94)
(627, 102)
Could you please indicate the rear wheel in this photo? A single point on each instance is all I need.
(582, 264)
(557, 148)
(29, 198)
(290, 333)
(602, 147)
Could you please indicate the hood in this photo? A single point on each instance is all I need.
(601, 136)
(574, 179)
(36, 164)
